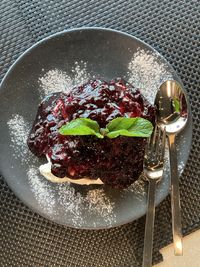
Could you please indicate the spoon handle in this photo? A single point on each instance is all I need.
(149, 225)
(175, 198)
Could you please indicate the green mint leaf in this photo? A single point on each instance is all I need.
(176, 104)
(133, 127)
(81, 126)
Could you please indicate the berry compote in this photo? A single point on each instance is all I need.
(117, 162)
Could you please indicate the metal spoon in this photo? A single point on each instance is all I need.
(172, 113)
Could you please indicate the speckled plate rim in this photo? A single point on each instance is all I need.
(27, 51)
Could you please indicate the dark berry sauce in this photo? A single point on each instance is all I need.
(117, 162)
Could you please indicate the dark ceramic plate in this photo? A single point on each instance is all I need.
(58, 62)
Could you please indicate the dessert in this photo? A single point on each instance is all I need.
(86, 159)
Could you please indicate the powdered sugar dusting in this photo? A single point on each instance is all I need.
(42, 190)
(56, 80)
(72, 202)
(147, 73)
(53, 81)
(99, 202)
(19, 130)
(64, 199)
(80, 73)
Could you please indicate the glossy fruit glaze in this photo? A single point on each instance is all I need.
(117, 162)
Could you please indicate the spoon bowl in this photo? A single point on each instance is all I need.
(172, 110)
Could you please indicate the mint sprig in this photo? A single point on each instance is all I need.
(132, 127)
